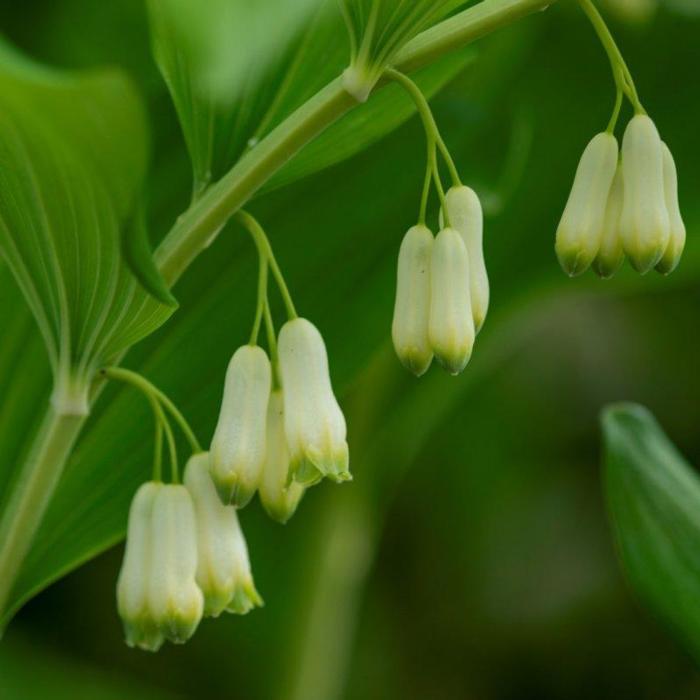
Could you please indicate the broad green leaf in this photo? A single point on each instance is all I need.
(138, 255)
(654, 502)
(72, 161)
(62, 677)
(216, 60)
(378, 29)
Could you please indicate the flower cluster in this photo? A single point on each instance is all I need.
(442, 289)
(623, 205)
(279, 442)
(185, 557)
(280, 430)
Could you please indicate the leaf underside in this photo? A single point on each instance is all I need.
(73, 153)
(654, 503)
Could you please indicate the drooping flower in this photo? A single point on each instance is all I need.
(409, 329)
(238, 446)
(279, 495)
(223, 566)
(451, 329)
(611, 253)
(313, 422)
(672, 255)
(157, 595)
(644, 223)
(466, 216)
(133, 603)
(176, 600)
(580, 230)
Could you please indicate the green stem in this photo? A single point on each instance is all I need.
(430, 125)
(265, 250)
(32, 492)
(201, 223)
(426, 182)
(262, 296)
(152, 391)
(270, 329)
(616, 112)
(621, 73)
(170, 439)
(157, 449)
(439, 187)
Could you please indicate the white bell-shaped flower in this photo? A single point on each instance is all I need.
(451, 329)
(238, 446)
(133, 600)
(644, 224)
(223, 566)
(175, 600)
(611, 254)
(313, 422)
(409, 329)
(676, 242)
(465, 214)
(581, 227)
(279, 495)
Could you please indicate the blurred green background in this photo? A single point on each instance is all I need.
(471, 557)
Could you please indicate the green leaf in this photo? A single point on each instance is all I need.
(72, 161)
(654, 503)
(138, 255)
(217, 59)
(63, 677)
(379, 29)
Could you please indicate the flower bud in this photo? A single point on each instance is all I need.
(279, 496)
(223, 567)
(451, 329)
(464, 210)
(409, 329)
(611, 253)
(581, 227)
(133, 604)
(644, 224)
(676, 242)
(313, 422)
(238, 446)
(175, 600)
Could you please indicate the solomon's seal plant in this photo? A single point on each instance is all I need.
(73, 233)
(622, 204)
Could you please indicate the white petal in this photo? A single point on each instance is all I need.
(278, 496)
(133, 583)
(611, 254)
(176, 602)
(676, 243)
(451, 328)
(314, 424)
(465, 214)
(644, 224)
(222, 565)
(238, 446)
(409, 330)
(581, 227)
